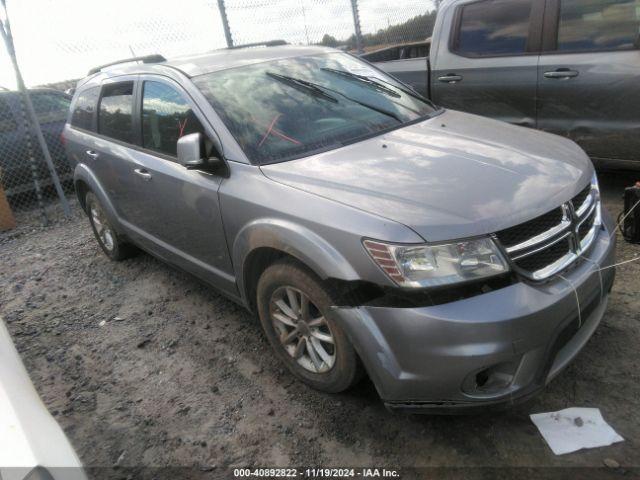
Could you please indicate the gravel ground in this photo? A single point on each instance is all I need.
(143, 366)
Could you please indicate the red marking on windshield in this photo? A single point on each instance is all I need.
(278, 133)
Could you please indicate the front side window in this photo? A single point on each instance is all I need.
(493, 27)
(291, 108)
(593, 25)
(166, 116)
(7, 122)
(50, 106)
(115, 115)
(84, 108)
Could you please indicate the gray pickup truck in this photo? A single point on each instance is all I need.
(570, 67)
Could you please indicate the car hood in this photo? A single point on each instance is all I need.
(452, 176)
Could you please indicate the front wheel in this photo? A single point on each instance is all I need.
(293, 307)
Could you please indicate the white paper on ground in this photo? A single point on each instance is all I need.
(564, 433)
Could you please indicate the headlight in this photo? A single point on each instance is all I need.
(419, 266)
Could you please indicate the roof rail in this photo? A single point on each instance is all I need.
(270, 43)
(144, 59)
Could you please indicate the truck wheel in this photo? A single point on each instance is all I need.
(293, 308)
(108, 239)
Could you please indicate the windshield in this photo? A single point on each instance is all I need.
(291, 108)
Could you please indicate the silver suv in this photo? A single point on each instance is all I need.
(456, 260)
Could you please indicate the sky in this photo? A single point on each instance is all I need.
(62, 39)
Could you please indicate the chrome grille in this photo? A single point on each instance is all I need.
(549, 243)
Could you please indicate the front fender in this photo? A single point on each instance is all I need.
(83, 174)
(295, 240)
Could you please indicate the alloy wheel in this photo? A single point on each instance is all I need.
(302, 329)
(102, 227)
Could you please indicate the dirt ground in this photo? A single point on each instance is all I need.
(143, 366)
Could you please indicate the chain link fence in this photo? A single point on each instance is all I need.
(74, 36)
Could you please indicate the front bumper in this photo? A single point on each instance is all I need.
(520, 337)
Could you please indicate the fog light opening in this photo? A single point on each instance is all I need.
(491, 380)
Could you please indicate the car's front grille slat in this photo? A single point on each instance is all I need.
(549, 243)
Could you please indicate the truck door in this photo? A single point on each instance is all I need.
(589, 76)
(484, 58)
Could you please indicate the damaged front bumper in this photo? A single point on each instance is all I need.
(493, 349)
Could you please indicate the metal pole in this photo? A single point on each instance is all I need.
(225, 23)
(5, 31)
(356, 24)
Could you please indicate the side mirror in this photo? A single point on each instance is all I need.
(192, 153)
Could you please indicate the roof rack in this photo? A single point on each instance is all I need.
(270, 43)
(144, 59)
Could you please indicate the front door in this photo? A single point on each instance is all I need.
(487, 64)
(589, 76)
(182, 211)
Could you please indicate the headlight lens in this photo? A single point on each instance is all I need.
(420, 266)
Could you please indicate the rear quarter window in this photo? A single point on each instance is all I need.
(85, 108)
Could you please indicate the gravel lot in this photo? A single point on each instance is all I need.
(143, 366)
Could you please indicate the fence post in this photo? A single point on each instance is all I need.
(356, 24)
(5, 31)
(225, 23)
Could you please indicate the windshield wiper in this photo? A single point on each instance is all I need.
(321, 91)
(303, 86)
(369, 82)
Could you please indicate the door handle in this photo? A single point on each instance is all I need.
(143, 173)
(92, 154)
(450, 78)
(561, 73)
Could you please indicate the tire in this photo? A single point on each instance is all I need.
(111, 243)
(339, 366)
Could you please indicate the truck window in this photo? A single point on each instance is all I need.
(84, 108)
(493, 27)
(598, 25)
(115, 115)
(166, 116)
(7, 122)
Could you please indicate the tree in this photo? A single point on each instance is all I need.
(329, 41)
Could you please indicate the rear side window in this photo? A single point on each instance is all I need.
(592, 25)
(115, 115)
(50, 107)
(7, 122)
(166, 116)
(84, 108)
(493, 27)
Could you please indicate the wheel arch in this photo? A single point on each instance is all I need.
(85, 181)
(265, 241)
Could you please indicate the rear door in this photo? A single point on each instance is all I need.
(484, 58)
(589, 76)
(111, 152)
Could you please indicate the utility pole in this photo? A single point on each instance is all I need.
(225, 23)
(5, 32)
(356, 24)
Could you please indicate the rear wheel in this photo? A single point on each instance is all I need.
(294, 312)
(111, 243)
